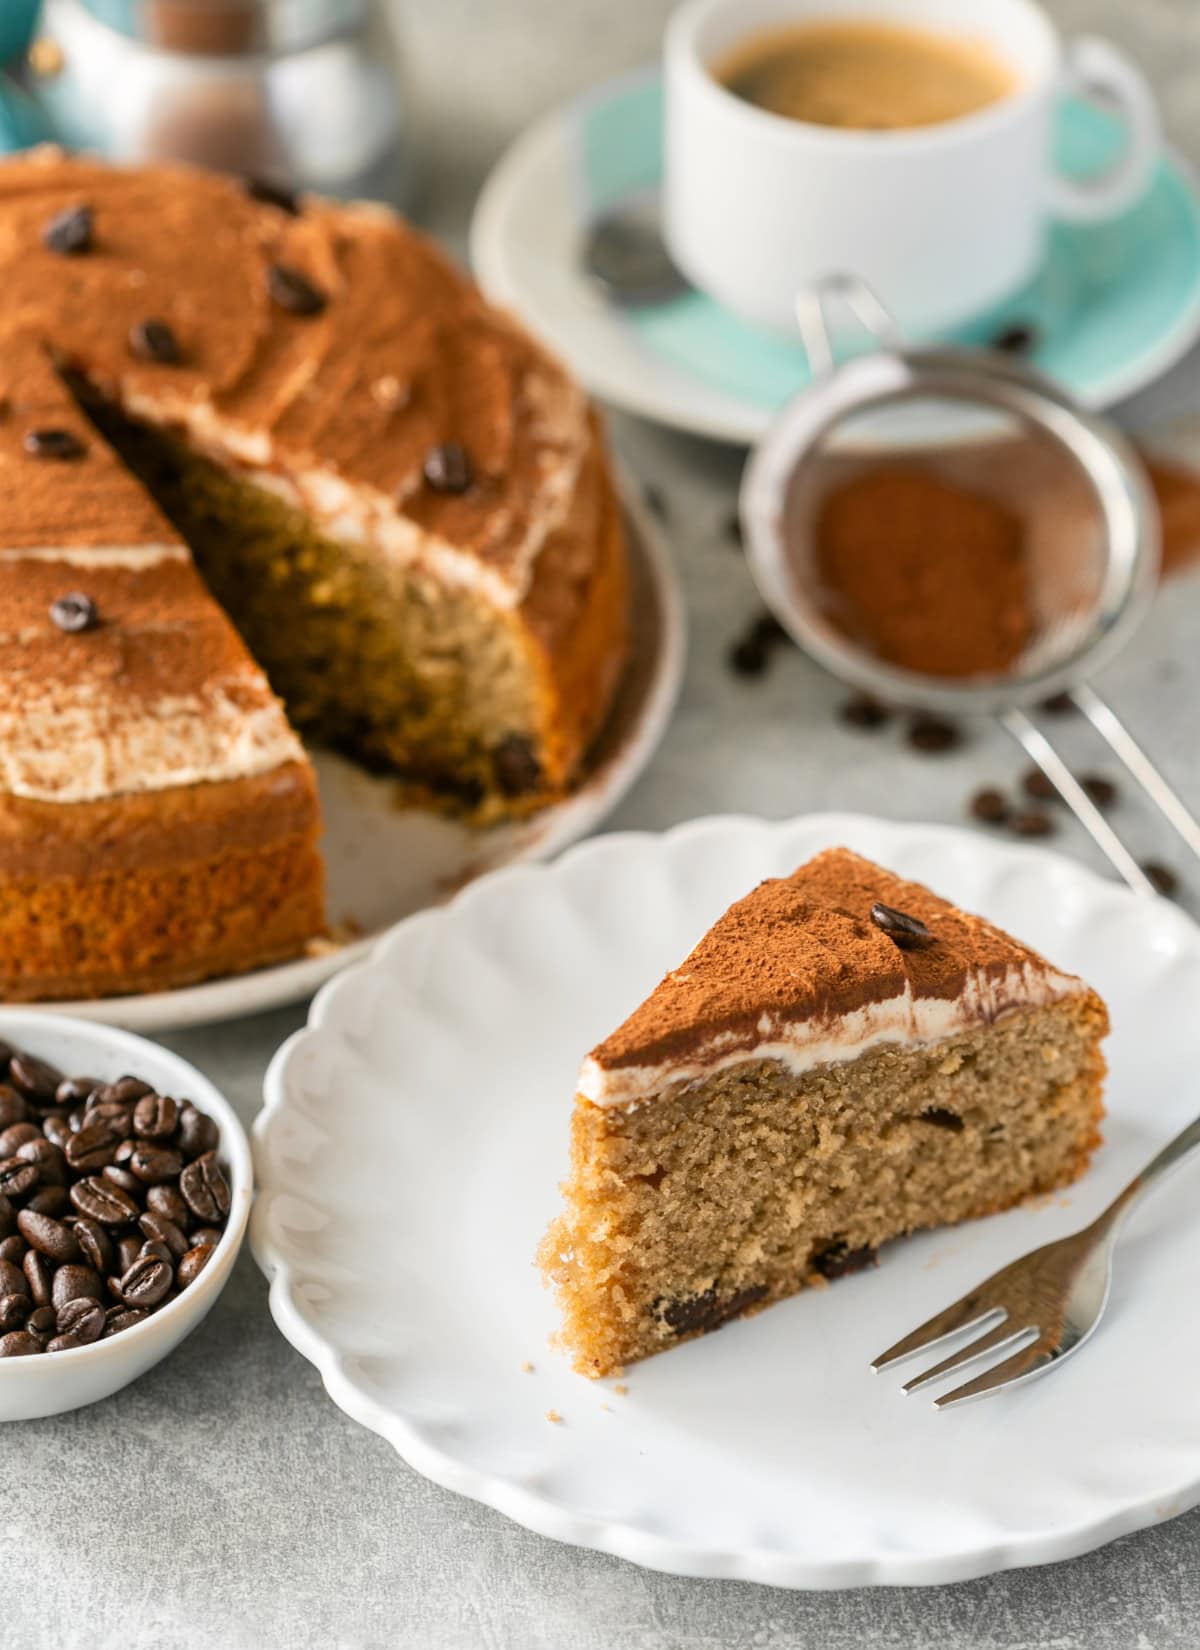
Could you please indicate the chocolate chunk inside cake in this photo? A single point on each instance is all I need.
(843, 1059)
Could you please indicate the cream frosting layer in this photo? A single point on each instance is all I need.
(800, 1046)
(85, 747)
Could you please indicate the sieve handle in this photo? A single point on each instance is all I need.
(1123, 745)
(1080, 803)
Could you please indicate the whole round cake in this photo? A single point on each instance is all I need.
(268, 468)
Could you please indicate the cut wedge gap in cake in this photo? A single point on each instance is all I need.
(845, 1058)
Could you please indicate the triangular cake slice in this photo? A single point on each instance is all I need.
(843, 1059)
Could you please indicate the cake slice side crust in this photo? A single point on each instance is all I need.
(725, 1195)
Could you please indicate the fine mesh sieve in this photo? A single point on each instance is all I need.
(997, 431)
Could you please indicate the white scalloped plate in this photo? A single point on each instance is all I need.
(385, 861)
(408, 1160)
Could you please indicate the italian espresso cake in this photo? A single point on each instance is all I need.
(845, 1058)
(404, 524)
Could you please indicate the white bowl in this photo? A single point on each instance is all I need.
(54, 1382)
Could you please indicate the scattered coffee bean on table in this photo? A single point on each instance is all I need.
(1039, 786)
(864, 711)
(1059, 704)
(112, 1201)
(931, 735)
(990, 806)
(1164, 879)
(1102, 791)
(1033, 822)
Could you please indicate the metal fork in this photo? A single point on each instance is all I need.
(1040, 1308)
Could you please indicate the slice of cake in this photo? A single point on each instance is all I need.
(843, 1059)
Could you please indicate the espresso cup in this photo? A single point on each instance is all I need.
(943, 221)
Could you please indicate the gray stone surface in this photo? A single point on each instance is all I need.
(224, 1502)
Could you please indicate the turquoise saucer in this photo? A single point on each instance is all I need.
(1113, 307)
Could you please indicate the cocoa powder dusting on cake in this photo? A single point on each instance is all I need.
(803, 948)
(928, 575)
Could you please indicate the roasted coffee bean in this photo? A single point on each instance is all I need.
(102, 1201)
(155, 1117)
(17, 1135)
(124, 1152)
(19, 1344)
(1032, 822)
(12, 1249)
(293, 291)
(117, 1176)
(69, 232)
(50, 1200)
(48, 1236)
(908, 933)
(8, 1216)
(154, 1164)
(447, 468)
(864, 711)
(193, 1263)
(74, 612)
(1059, 704)
(57, 1130)
(1166, 881)
(14, 1309)
(1039, 785)
(41, 1322)
(76, 1119)
(989, 805)
(50, 1159)
(518, 771)
(95, 1245)
(125, 1089)
(932, 735)
(35, 1079)
(76, 1091)
(75, 1283)
(93, 1147)
(116, 1113)
(154, 340)
(12, 1107)
(84, 1318)
(17, 1178)
(205, 1188)
(165, 1202)
(273, 194)
(129, 1248)
(39, 1275)
(146, 1281)
(12, 1278)
(1102, 791)
(121, 1317)
(155, 1247)
(159, 1229)
(206, 1234)
(198, 1132)
(1016, 338)
(748, 656)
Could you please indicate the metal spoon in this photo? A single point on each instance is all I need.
(624, 253)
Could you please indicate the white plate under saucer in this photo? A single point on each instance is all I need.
(769, 1452)
(1114, 306)
(385, 861)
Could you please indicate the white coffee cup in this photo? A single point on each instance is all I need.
(942, 221)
